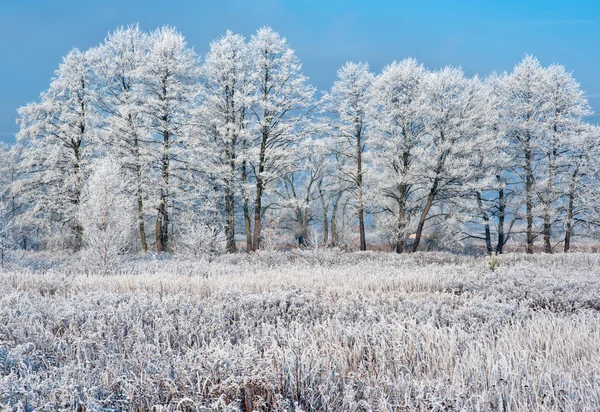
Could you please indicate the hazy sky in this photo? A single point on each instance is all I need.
(481, 36)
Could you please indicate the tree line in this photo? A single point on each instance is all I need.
(140, 144)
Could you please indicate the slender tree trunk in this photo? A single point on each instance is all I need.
(501, 216)
(486, 224)
(325, 207)
(528, 201)
(230, 205)
(246, 202)
(77, 192)
(423, 217)
(401, 240)
(259, 189)
(230, 223)
(430, 198)
(547, 235)
(139, 195)
(257, 222)
(548, 202)
(570, 209)
(247, 220)
(230, 155)
(162, 218)
(359, 180)
(335, 236)
(569, 222)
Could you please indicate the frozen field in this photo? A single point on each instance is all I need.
(304, 331)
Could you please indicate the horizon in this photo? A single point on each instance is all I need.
(481, 39)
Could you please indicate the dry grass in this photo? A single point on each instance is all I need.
(303, 331)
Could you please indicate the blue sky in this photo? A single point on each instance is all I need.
(480, 36)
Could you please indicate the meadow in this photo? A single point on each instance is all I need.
(302, 331)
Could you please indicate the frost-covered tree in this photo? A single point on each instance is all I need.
(398, 132)
(300, 189)
(170, 76)
(226, 97)
(481, 200)
(581, 188)
(118, 63)
(455, 111)
(109, 213)
(8, 171)
(565, 106)
(282, 100)
(524, 112)
(348, 101)
(55, 133)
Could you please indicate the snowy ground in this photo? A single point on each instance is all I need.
(304, 331)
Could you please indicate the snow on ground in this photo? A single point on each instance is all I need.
(317, 330)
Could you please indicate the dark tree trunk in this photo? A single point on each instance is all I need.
(486, 224)
(335, 236)
(230, 205)
(162, 218)
(401, 240)
(430, 198)
(547, 235)
(570, 210)
(423, 217)
(569, 223)
(77, 192)
(139, 195)
(325, 207)
(361, 207)
(528, 201)
(501, 216)
(257, 222)
(245, 204)
(259, 189)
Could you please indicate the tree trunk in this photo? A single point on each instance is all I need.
(430, 198)
(78, 188)
(501, 215)
(230, 222)
(162, 218)
(569, 222)
(245, 204)
(158, 229)
(547, 236)
(486, 224)
(423, 217)
(528, 201)
(335, 236)
(257, 222)
(401, 240)
(570, 210)
(230, 146)
(359, 180)
(230, 204)
(259, 189)
(139, 180)
(325, 207)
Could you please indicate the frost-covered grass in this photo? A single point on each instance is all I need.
(304, 331)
